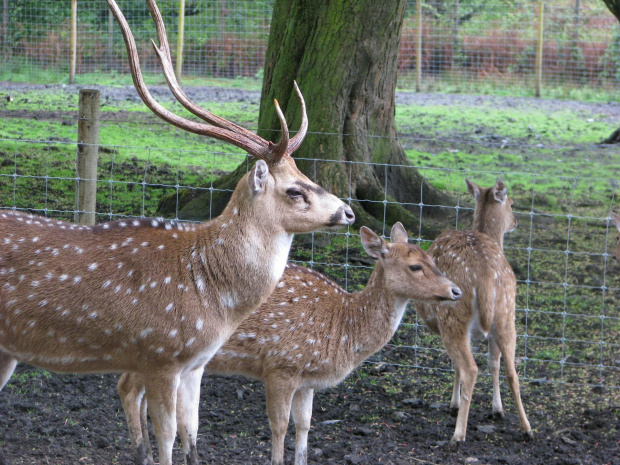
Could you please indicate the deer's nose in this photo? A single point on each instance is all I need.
(349, 215)
(456, 293)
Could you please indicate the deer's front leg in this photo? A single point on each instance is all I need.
(279, 397)
(302, 416)
(161, 394)
(131, 391)
(7, 367)
(188, 400)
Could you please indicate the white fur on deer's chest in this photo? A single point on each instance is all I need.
(399, 311)
(282, 246)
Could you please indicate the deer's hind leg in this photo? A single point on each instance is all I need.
(494, 362)
(456, 341)
(506, 339)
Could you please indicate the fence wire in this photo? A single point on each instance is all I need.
(465, 46)
(567, 319)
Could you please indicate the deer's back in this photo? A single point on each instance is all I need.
(297, 333)
(105, 295)
(475, 263)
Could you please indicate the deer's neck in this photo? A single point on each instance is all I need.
(236, 261)
(488, 225)
(374, 315)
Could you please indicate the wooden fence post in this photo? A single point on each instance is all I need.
(539, 48)
(87, 154)
(73, 41)
(180, 38)
(5, 28)
(418, 46)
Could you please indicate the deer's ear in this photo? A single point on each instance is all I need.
(398, 233)
(500, 191)
(258, 177)
(374, 245)
(473, 189)
(616, 219)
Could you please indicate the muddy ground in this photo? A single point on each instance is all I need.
(379, 415)
(382, 414)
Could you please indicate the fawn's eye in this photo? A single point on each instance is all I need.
(294, 193)
(415, 267)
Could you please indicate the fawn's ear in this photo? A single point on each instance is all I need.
(374, 245)
(616, 219)
(500, 191)
(398, 233)
(257, 179)
(473, 189)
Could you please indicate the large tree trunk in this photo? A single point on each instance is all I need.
(343, 54)
(614, 7)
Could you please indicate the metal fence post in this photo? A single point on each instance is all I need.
(539, 48)
(73, 41)
(87, 154)
(418, 48)
(180, 38)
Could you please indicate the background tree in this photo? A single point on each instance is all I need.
(614, 7)
(343, 54)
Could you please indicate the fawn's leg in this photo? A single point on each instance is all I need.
(161, 394)
(279, 394)
(507, 341)
(456, 341)
(302, 416)
(455, 401)
(188, 400)
(7, 367)
(131, 391)
(494, 361)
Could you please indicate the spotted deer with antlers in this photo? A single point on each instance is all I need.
(310, 334)
(151, 296)
(475, 261)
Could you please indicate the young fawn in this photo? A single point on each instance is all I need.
(310, 334)
(151, 296)
(475, 261)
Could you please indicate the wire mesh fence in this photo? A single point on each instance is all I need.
(568, 289)
(462, 45)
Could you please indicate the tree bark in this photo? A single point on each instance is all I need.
(343, 54)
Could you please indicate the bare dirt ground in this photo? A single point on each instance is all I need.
(380, 415)
(390, 416)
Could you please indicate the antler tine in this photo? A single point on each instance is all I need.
(258, 148)
(164, 55)
(281, 148)
(303, 128)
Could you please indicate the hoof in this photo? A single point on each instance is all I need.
(455, 444)
(454, 412)
(498, 415)
(528, 435)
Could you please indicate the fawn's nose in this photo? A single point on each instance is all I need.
(456, 293)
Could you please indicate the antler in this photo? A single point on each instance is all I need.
(218, 127)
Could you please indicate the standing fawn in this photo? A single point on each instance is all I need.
(310, 334)
(151, 296)
(475, 261)
(616, 218)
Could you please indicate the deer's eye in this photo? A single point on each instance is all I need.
(295, 194)
(415, 267)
